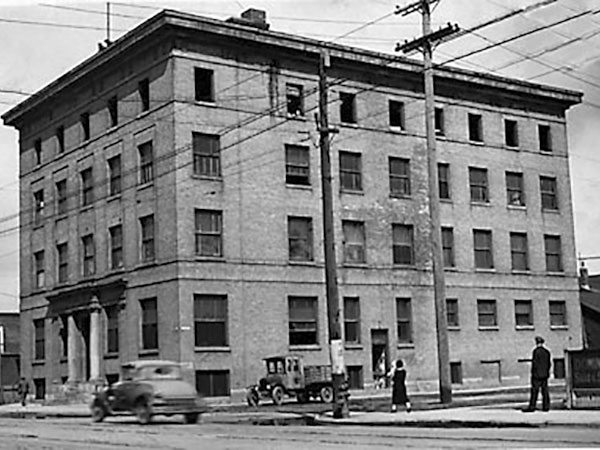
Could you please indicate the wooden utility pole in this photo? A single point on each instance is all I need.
(336, 345)
(426, 42)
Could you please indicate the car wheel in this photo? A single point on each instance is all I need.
(142, 412)
(326, 394)
(277, 395)
(302, 397)
(98, 413)
(191, 418)
(252, 397)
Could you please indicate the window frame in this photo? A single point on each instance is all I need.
(519, 252)
(452, 313)
(206, 77)
(87, 187)
(482, 314)
(400, 246)
(352, 320)
(88, 255)
(527, 315)
(61, 197)
(84, 121)
(515, 191)
(479, 185)
(39, 206)
(297, 171)
(294, 239)
(60, 139)
(444, 181)
(146, 162)
(549, 193)
(62, 253)
(116, 247)
(112, 329)
(214, 314)
(439, 121)
(39, 340)
(213, 234)
(350, 171)
(112, 105)
(147, 239)
(144, 93)
(309, 324)
(347, 108)
(483, 251)
(562, 314)
(39, 269)
(400, 182)
(511, 133)
(115, 173)
(350, 244)
(149, 332)
(449, 257)
(553, 239)
(206, 154)
(545, 138)
(404, 321)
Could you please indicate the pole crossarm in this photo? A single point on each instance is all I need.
(409, 9)
(442, 35)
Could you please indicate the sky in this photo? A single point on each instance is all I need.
(39, 41)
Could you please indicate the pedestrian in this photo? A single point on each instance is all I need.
(23, 390)
(540, 372)
(398, 376)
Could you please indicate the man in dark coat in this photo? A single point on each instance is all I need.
(23, 390)
(540, 371)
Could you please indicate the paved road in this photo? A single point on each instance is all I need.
(171, 434)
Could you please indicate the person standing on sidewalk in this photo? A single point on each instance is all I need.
(398, 377)
(540, 372)
(23, 390)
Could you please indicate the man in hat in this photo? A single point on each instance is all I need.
(540, 371)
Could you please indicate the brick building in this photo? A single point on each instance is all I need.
(9, 354)
(171, 208)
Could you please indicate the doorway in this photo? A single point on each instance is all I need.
(380, 360)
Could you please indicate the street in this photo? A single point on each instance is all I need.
(124, 432)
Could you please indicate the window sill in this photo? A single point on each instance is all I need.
(514, 148)
(355, 265)
(397, 129)
(441, 135)
(212, 349)
(208, 258)
(143, 113)
(485, 270)
(308, 348)
(551, 211)
(64, 359)
(85, 208)
(302, 263)
(521, 272)
(144, 186)
(401, 196)
(149, 352)
(405, 345)
(559, 327)
(300, 117)
(352, 192)
(546, 152)
(450, 269)
(198, 176)
(403, 266)
(111, 356)
(113, 197)
(353, 346)
(524, 328)
(349, 124)
(445, 200)
(302, 187)
(479, 143)
(490, 328)
(119, 269)
(517, 207)
(38, 362)
(209, 103)
(555, 274)
(476, 203)
(453, 328)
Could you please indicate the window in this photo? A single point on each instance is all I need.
(549, 193)
(64, 336)
(209, 233)
(89, 261)
(300, 239)
(147, 227)
(347, 107)
(515, 196)
(2, 340)
(61, 197)
(456, 375)
(511, 133)
(38, 199)
(354, 242)
(355, 377)
(545, 136)
(558, 366)
(350, 171)
(297, 165)
(146, 163)
(37, 148)
(39, 386)
(295, 100)
(402, 238)
(84, 120)
(444, 180)
(518, 251)
(475, 128)
(404, 320)
(39, 269)
(112, 329)
(114, 174)
(116, 246)
(478, 183)
(203, 81)
(558, 313)
(396, 114)
(351, 320)
(399, 177)
(63, 262)
(60, 139)
(87, 187)
(212, 383)
(448, 246)
(207, 155)
(149, 324)
(486, 313)
(553, 252)
(482, 245)
(113, 111)
(452, 312)
(210, 320)
(523, 313)
(303, 320)
(439, 125)
(144, 91)
(40, 339)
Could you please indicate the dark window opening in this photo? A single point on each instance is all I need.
(149, 324)
(210, 320)
(295, 100)
(204, 89)
(545, 136)
(144, 91)
(452, 312)
(212, 383)
(84, 119)
(439, 125)
(60, 139)
(511, 133)
(347, 107)
(113, 111)
(396, 114)
(475, 128)
(37, 147)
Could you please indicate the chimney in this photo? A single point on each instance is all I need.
(252, 17)
(584, 277)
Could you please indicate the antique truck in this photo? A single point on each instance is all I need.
(148, 388)
(287, 375)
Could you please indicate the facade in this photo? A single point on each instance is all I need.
(590, 308)
(171, 208)
(9, 355)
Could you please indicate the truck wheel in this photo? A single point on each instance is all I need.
(98, 413)
(142, 412)
(190, 418)
(252, 397)
(277, 395)
(302, 397)
(326, 394)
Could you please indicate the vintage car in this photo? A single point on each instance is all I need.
(148, 388)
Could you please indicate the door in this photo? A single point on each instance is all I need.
(380, 356)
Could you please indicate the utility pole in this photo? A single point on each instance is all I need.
(426, 43)
(107, 23)
(336, 345)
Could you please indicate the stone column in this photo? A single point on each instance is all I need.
(95, 350)
(72, 347)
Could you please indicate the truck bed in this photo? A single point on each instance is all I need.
(317, 374)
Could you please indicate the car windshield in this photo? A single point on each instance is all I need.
(162, 372)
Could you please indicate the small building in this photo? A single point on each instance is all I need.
(590, 308)
(9, 355)
(171, 208)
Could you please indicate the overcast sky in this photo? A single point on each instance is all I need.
(39, 41)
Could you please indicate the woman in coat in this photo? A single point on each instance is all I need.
(399, 395)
